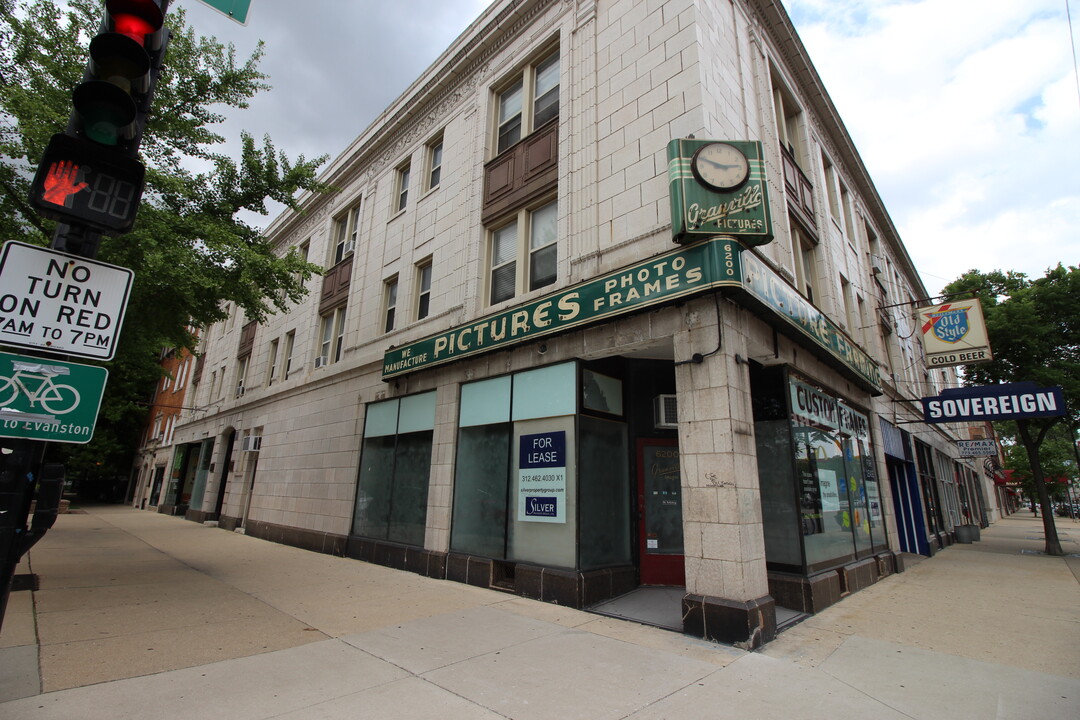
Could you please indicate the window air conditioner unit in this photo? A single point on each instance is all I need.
(320, 361)
(665, 412)
(876, 265)
(240, 390)
(348, 249)
(251, 443)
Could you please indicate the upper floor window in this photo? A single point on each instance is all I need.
(241, 374)
(524, 253)
(332, 337)
(290, 345)
(847, 207)
(536, 89)
(805, 252)
(346, 233)
(832, 190)
(390, 303)
(272, 361)
(402, 187)
(789, 122)
(434, 163)
(423, 290)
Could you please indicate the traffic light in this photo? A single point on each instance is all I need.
(90, 174)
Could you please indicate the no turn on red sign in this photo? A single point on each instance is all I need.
(61, 303)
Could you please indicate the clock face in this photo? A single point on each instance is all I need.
(720, 166)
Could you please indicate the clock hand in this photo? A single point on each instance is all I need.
(721, 166)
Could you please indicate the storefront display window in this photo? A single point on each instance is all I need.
(605, 501)
(821, 503)
(934, 520)
(482, 469)
(505, 506)
(395, 468)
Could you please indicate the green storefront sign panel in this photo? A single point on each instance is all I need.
(772, 292)
(715, 263)
(51, 400)
(677, 274)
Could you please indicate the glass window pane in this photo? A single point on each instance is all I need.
(485, 402)
(546, 92)
(403, 188)
(409, 494)
(509, 133)
(381, 419)
(480, 488)
(436, 165)
(417, 413)
(327, 334)
(544, 229)
(504, 244)
(372, 509)
(546, 392)
(860, 515)
(510, 117)
(503, 283)
(510, 103)
(605, 494)
(547, 75)
(780, 515)
(826, 510)
(543, 267)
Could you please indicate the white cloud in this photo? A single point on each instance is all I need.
(965, 113)
(966, 117)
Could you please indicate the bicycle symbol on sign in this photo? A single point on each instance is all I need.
(53, 397)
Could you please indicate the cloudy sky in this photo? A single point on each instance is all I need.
(966, 112)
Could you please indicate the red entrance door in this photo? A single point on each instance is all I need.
(660, 530)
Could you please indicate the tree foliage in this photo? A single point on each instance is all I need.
(191, 250)
(1034, 332)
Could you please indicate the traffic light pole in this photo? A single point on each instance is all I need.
(91, 181)
(24, 476)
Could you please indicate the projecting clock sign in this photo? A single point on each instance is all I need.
(61, 303)
(718, 187)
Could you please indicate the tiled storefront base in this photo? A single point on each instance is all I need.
(748, 625)
(428, 563)
(815, 593)
(313, 540)
(564, 587)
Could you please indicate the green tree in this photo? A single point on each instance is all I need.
(1034, 331)
(1057, 458)
(192, 251)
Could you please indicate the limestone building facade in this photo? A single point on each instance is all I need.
(529, 367)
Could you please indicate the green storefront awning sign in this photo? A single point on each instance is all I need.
(719, 262)
(677, 274)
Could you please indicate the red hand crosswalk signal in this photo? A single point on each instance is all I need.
(81, 182)
(90, 174)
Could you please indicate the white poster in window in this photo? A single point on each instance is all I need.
(874, 500)
(542, 477)
(830, 491)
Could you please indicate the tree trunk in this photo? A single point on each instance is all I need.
(1031, 446)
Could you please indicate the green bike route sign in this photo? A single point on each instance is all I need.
(45, 399)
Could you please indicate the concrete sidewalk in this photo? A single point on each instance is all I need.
(140, 614)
